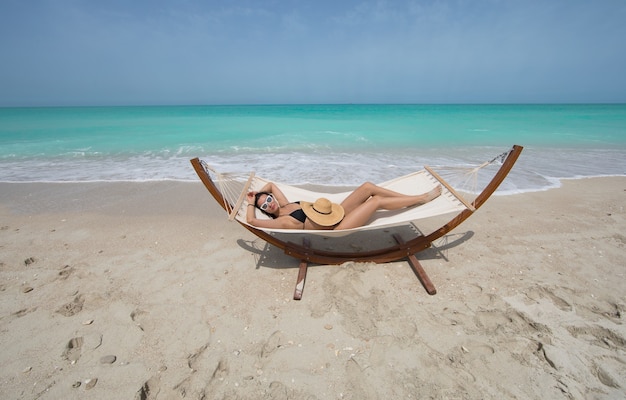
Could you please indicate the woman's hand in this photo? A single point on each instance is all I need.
(250, 197)
(250, 211)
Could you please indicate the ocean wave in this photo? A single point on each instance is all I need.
(537, 168)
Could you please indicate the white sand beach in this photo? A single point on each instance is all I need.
(147, 291)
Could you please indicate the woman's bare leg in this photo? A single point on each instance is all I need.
(358, 214)
(394, 203)
(390, 200)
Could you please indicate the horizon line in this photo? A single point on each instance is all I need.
(309, 104)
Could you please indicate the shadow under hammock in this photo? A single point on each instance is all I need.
(388, 237)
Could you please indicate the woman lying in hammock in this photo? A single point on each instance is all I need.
(353, 212)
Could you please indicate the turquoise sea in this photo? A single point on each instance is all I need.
(319, 144)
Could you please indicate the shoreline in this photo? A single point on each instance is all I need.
(331, 188)
(530, 301)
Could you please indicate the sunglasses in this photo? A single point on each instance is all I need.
(267, 202)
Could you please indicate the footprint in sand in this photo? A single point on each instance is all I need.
(194, 382)
(73, 307)
(470, 350)
(192, 359)
(609, 370)
(598, 336)
(23, 311)
(65, 272)
(606, 378)
(272, 344)
(452, 316)
(610, 310)
(539, 292)
(73, 349)
(357, 381)
(78, 345)
(493, 320)
(137, 316)
(278, 391)
(221, 370)
(150, 389)
(475, 349)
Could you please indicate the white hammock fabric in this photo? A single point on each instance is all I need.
(234, 190)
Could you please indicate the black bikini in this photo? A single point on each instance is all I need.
(298, 214)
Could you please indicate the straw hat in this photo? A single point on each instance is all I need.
(323, 212)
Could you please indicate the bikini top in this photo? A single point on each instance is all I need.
(298, 214)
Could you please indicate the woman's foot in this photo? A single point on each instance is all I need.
(432, 195)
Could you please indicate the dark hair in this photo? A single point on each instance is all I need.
(256, 201)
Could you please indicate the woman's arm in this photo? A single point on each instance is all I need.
(272, 188)
(277, 223)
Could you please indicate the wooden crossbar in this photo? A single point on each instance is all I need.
(450, 188)
(233, 213)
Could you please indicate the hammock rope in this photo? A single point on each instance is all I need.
(465, 178)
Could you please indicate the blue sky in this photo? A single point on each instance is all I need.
(131, 52)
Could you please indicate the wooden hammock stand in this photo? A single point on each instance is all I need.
(403, 250)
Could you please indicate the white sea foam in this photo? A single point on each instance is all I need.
(536, 169)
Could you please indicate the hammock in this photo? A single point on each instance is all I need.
(230, 190)
(234, 189)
